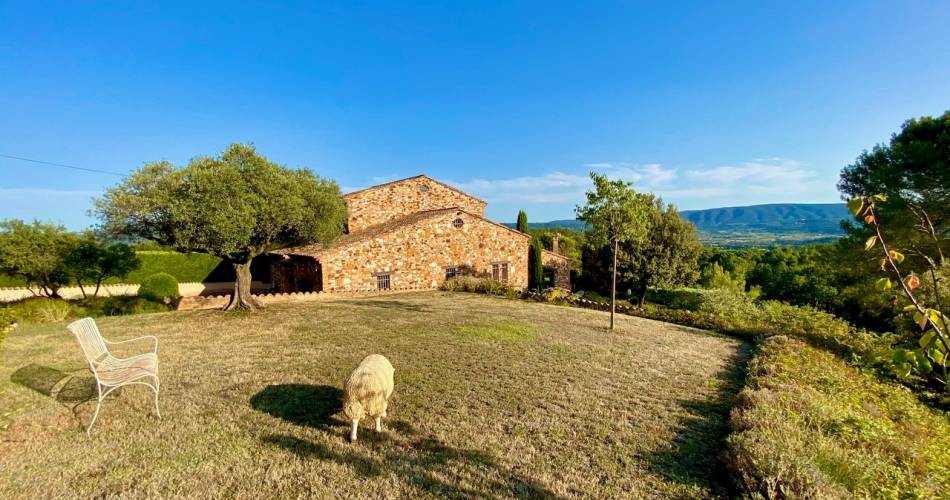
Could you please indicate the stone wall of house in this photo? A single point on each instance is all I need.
(561, 266)
(417, 254)
(296, 274)
(401, 198)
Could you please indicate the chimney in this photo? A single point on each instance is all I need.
(554, 242)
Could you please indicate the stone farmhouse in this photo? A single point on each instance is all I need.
(412, 233)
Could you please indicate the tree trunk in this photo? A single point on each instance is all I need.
(82, 289)
(613, 288)
(241, 299)
(98, 284)
(643, 297)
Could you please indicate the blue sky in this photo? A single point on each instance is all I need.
(706, 103)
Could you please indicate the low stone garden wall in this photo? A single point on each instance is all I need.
(73, 292)
(219, 301)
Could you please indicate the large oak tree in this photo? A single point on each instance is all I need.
(235, 206)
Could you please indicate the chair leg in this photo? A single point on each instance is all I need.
(96, 414)
(157, 384)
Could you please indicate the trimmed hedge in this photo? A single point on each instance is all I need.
(159, 287)
(185, 267)
(808, 425)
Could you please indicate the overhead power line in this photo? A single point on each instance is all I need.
(63, 165)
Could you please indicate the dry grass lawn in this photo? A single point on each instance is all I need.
(494, 398)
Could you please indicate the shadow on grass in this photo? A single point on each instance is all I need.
(64, 387)
(697, 452)
(301, 404)
(425, 462)
(388, 304)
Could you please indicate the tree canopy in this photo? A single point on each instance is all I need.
(667, 256)
(912, 171)
(36, 253)
(235, 206)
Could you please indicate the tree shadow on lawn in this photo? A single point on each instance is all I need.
(425, 462)
(62, 386)
(387, 304)
(696, 457)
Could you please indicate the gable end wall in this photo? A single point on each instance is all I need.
(399, 199)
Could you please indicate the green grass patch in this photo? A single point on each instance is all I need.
(808, 425)
(502, 330)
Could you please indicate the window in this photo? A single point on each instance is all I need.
(458, 223)
(499, 271)
(423, 188)
(451, 272)
(382, 281)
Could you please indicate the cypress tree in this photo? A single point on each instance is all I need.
(537, 267)
(522, 221)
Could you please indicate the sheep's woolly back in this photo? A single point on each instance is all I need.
(368, 388)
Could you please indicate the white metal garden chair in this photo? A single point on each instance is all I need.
(111, 372)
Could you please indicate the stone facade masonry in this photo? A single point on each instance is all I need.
(560, 265)
(418, 254)
(398, 199)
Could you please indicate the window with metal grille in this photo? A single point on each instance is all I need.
(382, 281)
(499, 271)
(451, 272)
(458, 223)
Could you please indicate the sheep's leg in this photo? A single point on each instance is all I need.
(379, 426)
(356, 424)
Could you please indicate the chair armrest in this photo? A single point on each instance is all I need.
(153, 338)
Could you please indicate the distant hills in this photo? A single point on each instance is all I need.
(755, 225)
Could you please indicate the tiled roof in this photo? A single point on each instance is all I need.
(457, 190)
(552, 254)
(371, 232)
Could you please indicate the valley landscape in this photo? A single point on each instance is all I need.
(759, 226)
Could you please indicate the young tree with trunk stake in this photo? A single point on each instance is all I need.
(235, 206)
(617, 214)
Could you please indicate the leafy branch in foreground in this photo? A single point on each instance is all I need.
(933, 343)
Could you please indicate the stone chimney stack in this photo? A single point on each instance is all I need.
(554, 245)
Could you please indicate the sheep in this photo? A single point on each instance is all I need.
(367, 391)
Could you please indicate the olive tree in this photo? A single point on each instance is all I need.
(36, 254)
(617, 215)
(236, 206)
(92, 262)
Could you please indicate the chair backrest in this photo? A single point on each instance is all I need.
(87, 333)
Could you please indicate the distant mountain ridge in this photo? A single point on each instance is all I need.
(788, 216)
(754, 225)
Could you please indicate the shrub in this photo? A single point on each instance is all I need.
(160, 287)
(690, 299)
(810, 426)
(480, 285)
(40, 310)
(6, 323)
(120, 306)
